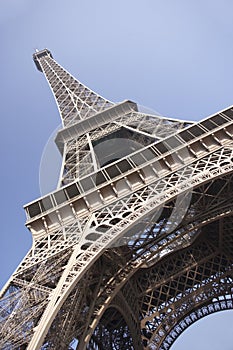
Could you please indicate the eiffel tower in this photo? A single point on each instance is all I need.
(136, 242)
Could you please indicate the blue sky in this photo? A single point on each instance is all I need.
(173, 56)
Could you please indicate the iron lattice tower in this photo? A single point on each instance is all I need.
(136, 243)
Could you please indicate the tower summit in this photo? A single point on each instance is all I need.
(136, 242)
(40, 54)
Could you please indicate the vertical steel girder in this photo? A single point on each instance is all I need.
(136, 243)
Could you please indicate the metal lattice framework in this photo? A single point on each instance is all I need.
(136, 243)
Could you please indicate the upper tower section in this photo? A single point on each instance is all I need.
(75, 101)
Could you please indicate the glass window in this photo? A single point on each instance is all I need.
(34, 209)
(46, 203)
(60, 197)
(72, 191)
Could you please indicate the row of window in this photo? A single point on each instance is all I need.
(120, 167)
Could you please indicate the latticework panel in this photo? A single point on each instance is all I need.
(188, 270)
(75, 101)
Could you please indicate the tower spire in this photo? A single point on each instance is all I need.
(75, 101)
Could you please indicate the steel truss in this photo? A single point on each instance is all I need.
(136, 243)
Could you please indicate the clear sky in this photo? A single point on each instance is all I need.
(173, 56)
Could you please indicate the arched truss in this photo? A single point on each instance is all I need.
(179, 285)
(196, 281)
(199, 282)
(224, 303)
